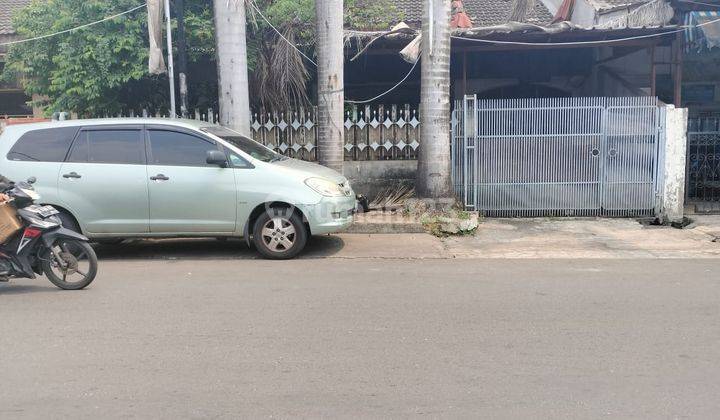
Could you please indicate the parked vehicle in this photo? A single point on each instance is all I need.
(156, 178)
(42, 246)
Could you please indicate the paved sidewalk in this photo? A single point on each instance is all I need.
(586, 238)
(495, 238)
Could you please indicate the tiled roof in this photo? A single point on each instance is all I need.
(7, 8)
(482, 12)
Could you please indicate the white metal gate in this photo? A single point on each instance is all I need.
(559, 156)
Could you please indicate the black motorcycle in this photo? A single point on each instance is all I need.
(43, 245)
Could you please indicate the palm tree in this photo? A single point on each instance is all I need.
(232, 64)
(330, 54)
(433, 175)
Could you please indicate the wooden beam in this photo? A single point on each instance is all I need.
(678, 73)
(653, 72)
(514, 47)
(479, 47)
(464, 79)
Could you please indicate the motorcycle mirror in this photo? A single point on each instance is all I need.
(32, 180)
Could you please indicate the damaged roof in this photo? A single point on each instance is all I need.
(481, 12)
(607, 5)
(7, 9)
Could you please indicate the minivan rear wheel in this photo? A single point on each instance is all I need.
(279, 234)
(68, 222)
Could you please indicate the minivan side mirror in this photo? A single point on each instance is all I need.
(216, 157)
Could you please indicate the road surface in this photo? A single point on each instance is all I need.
(366, 338)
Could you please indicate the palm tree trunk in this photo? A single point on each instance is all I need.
(329, 14)
(433, 175)
(232, 65)
(182, 56)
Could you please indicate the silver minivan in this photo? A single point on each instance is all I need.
(114, 179)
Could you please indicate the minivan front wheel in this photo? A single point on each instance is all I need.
(279, 234)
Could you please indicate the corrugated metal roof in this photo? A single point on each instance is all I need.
(7, 8)
(482, 12)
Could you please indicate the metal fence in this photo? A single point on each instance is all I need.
(372, 132)
(703, 160)
(558, 157)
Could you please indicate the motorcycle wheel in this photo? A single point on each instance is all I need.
(73, 265)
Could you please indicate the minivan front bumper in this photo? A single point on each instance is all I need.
(330, 215)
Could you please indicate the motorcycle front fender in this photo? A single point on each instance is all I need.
(62, 233)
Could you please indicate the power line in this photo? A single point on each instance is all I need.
(607, 41)
(257, 9)
(252, 3)
(700, 3)
(20, 41)
(389, 90)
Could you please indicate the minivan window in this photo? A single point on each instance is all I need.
(178, 149)
(49, 145)
(249, 146)
(108, 146)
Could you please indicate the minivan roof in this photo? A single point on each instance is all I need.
(176, 122)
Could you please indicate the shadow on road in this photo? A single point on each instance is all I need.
(206, 249)
(15, 288)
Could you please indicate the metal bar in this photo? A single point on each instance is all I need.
(561, 156)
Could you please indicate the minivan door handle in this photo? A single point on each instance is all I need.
(159, 177)
(72, 175)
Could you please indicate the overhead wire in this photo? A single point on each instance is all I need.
(350, 101)
(487, 41)
(699, 3)
(606, 41)
(117, 15)
(464, 38)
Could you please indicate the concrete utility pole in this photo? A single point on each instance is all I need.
(232, 69)
(331, 82)
(433, 175)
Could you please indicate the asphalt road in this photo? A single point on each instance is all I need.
(366, 338)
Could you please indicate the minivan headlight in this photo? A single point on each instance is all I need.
(325, 187)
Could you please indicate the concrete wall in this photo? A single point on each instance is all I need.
(673, 170)
(583, 14)
(373, 176)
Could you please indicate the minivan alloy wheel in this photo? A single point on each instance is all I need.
(278, 234)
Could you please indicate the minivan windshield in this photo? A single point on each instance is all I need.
(249, 146)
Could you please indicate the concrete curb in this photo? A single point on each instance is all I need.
(391, 228)
(385, 222)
